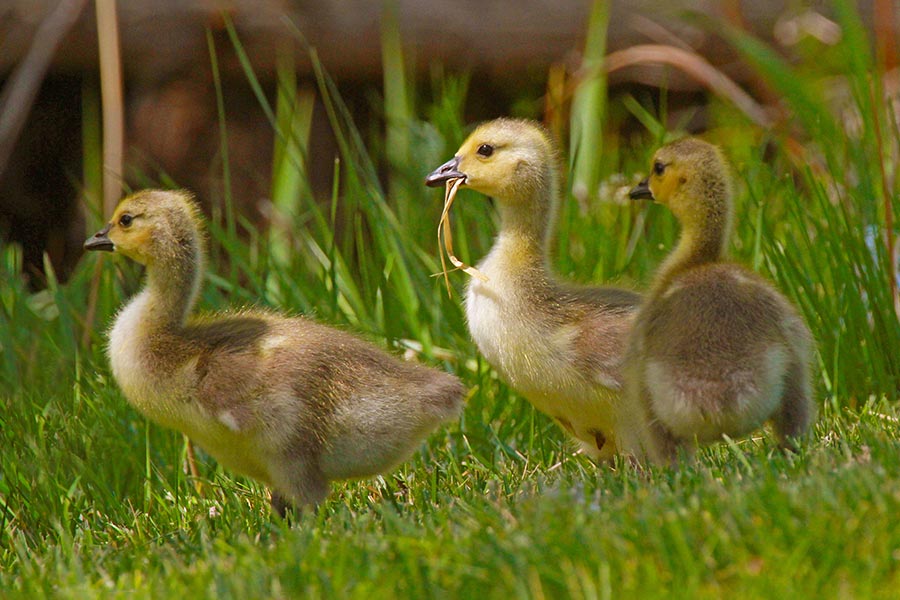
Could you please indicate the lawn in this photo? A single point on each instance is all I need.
(95, 501)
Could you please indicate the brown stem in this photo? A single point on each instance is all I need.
(191, 460)
(111, 100)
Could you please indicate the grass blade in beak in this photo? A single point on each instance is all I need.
(445, 237)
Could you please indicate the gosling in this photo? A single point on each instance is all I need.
(289, 402)
(558, 345)
(715, 350)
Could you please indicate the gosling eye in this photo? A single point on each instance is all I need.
(658, 168)
(125, 220)
(485, 150)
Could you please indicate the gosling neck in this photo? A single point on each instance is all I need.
(173, 283)
(704, 240)
(527, 222)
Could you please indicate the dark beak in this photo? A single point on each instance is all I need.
(100, 241)
(447, 171)
(641, 191)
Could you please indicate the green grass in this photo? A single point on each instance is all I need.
(94, 500)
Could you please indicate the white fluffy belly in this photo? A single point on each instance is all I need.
(538, 362)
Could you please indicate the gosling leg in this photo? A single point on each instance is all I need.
(667, 445)
(299, 487)
(658, 442)
(280, 504)
(795, 414)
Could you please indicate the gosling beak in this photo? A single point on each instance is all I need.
(641, 191)
(447, 171)
(100, 241)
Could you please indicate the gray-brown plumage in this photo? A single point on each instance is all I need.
(715, 348)
(287, 401)
(560, 346)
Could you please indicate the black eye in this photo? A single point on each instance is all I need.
(658, 168)
(485, 150)
(125, 220)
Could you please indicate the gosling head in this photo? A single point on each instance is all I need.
(691, 178)
(506, 159)
(150, 226)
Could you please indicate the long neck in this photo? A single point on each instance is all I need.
(527, 223)
(173, 283)
(703, 241)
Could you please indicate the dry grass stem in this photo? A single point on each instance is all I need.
(112, 102)
(693, 65)
(445, 237)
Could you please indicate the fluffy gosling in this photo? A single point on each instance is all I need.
(558, 345)
(287, 401)
(715, 348)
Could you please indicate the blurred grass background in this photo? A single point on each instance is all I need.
(94, 500)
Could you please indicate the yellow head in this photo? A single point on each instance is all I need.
(152, 226)
(689, 176)
(507, 159)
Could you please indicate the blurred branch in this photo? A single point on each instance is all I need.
(694, 65)
(111, 100)
(22, 88)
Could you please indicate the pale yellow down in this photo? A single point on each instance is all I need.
(560, 346)
(287, 401)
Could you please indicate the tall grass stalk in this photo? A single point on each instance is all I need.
(589, 107)
(91, 205)
(111, 92)
(227, 200)
(92, 166)
(398, 109)
(290, 179)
